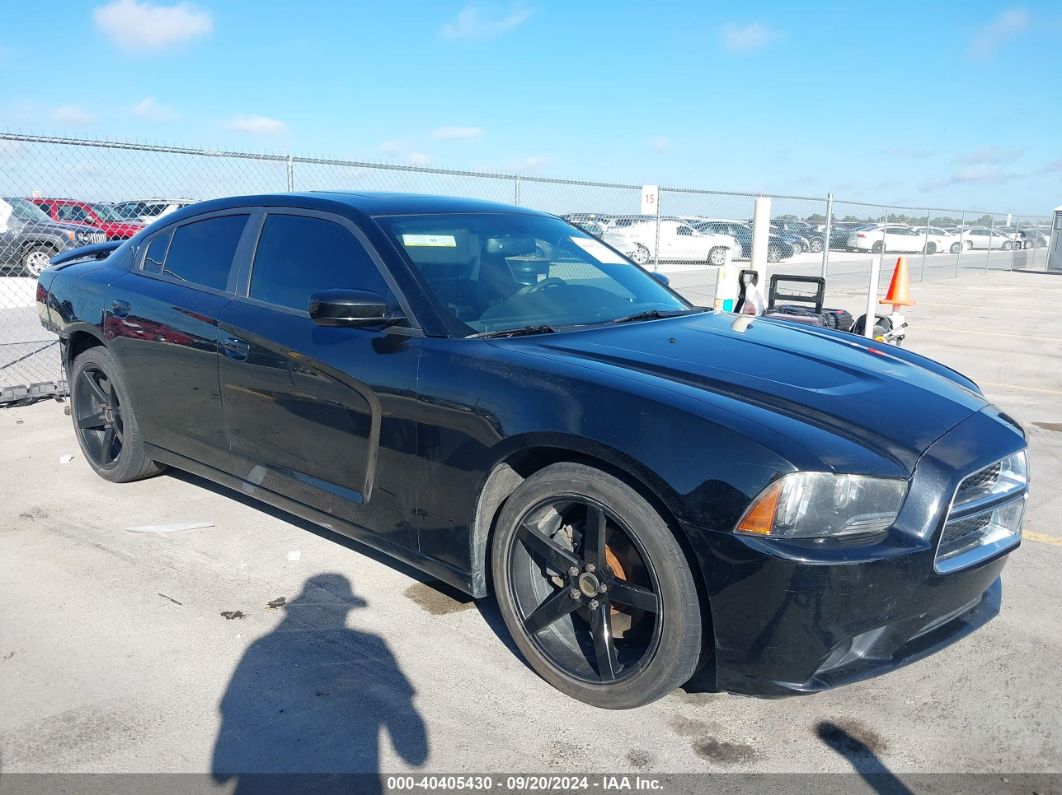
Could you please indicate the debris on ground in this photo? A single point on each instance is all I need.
(231, 614)
(66, 459)
(280, 601)
(169, 528)
(171, 599)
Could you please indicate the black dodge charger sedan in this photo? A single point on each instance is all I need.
(498, 398)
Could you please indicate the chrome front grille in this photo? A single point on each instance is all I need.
(985, 514)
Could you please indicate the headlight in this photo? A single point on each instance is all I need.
(824, 505)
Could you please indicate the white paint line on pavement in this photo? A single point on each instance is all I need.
(952, 330)
(1022, 388)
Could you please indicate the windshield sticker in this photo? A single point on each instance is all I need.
(598, 250)
(434, 241)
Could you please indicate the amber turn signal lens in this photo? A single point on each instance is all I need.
(759, 518)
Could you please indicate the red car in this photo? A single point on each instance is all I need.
(72, 211)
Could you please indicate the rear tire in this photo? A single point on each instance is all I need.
(595, 588)
(640, 255)
(104, 421)
(876, 248)
(717, 256)
(774, 254)
(955, 248)
(35, 259)
(816, 245)
(1007, 246)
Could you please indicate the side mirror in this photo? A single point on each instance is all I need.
(661, 278)
(352, 308)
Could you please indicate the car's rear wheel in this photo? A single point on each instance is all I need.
(929, 248)
(774, 253)
(35, 259)
(717, 256)
(876, 247)
(1008, 245)
(595, 588)
(104, 420)
(816, 245)
(640, 254)
(955, 248)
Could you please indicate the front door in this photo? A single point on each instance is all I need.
(323, 415)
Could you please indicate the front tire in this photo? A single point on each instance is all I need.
(104, 421)
(816, 245)
(1008, 246)
(955, 248)
(774, 254)
(595, 589)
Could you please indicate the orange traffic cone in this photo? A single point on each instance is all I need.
(899, 289)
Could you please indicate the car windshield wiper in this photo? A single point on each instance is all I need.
(655, 314)
(513, 332)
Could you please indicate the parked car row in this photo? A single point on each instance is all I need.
(931, 239)
(35, 229)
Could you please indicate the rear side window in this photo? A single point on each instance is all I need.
(299, 255)
(155, 257)
(201, 252)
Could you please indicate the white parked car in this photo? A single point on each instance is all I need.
(894, 237)
(148, 210)
(679, 242)
(940, 240)
(984, 237)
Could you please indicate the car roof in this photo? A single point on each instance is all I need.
(369, 204)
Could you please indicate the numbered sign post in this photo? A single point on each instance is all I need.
(650, 199)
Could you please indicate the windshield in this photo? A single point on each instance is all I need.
(496, 271)
(25, 210)
(108, 213)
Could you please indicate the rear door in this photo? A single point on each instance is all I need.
(323, 415)
(163, 329)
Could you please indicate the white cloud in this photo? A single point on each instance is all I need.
(138, 27)
(256, 125)
(660, 144)
(475, 22)
(530, 164)
(148, 108)
(747, 38)
(72, 115)
(456, 133)
(974, 175)
(392, 147)
(996, 33)
(990, 155)
(418, 159)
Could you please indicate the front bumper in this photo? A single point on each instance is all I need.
(798, 617)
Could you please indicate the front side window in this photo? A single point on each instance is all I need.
(201, 252)
(300, 255)
(494, 272)
(71, 212)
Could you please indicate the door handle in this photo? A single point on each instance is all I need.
(235, 348)
(120, 308)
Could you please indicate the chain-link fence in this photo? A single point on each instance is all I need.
(60, 193)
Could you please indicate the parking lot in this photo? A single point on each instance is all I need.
(124, 651)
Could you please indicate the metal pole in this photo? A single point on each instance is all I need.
(991, 228)
(826, 236)
(872, 287)
(516, 190)
(656, 246)
(291, 174)
(962, 243)
(925, 245)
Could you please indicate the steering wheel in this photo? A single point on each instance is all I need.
(538, 287)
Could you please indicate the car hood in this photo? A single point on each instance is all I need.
(889, 400)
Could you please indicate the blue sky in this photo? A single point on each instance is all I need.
(950, 104)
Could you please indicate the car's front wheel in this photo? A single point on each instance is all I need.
(955, 248)
(774, 253)
(104, 421)
(816, 245)
(1007, 246)
(717, 256)
(595, 588)
(35, 259)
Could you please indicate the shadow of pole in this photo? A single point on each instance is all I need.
(311, 698)
(862, 758)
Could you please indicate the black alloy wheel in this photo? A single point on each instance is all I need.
(595, 589)
(104, 421)
(97, 414)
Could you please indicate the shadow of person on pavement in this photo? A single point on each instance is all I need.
(311, 697)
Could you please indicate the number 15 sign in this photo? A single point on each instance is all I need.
(650, 199)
